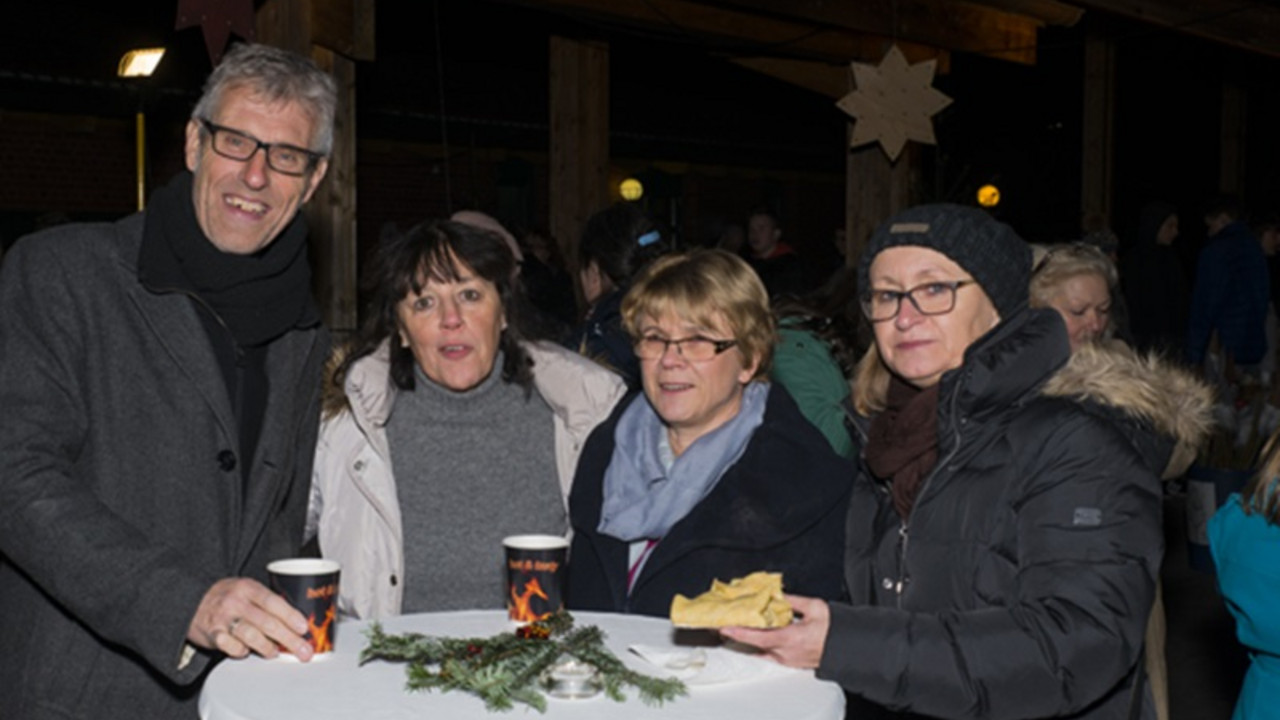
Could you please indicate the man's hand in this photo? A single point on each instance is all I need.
(240, 615)
(797, 645)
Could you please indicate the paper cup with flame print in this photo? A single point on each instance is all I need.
(311, 586)
(535, 575)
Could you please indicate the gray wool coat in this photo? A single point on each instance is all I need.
(121, 498)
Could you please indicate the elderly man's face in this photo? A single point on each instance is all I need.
(243, 205)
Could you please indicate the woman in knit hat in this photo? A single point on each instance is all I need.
(1003, 543)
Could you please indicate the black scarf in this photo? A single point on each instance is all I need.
(259, 297)
(902, 443)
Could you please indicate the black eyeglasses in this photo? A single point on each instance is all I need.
(236, 145)
(695, 349)
(931, 298)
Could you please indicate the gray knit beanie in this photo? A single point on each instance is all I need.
(986, 248)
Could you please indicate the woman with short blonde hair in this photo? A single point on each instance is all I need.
(1078, 281)
(712, 471)
(703, 285)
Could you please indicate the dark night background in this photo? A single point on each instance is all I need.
(674, 101)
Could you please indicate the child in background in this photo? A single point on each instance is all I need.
(1244, 537)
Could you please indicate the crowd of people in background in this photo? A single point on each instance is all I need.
(952, 449)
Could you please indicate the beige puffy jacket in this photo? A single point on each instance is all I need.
(354, 509)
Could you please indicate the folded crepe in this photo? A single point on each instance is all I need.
(753, 601)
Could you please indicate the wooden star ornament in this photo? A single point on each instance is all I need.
(893, 102)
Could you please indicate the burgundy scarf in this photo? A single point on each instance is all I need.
(903, 441)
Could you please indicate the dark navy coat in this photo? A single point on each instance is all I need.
(780, 508)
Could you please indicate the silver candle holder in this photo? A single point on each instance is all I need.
(571, 679)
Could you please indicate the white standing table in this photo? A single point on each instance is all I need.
(337, 687)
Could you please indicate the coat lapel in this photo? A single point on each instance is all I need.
(172, 317)
(585, 511)
(292, 386)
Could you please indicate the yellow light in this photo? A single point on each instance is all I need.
(140, 63)
(631, 189)
(988, 196)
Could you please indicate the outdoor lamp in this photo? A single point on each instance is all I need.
(631, 189)
(140, 63)
(988, 196)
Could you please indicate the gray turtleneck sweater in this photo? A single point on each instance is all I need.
(471, 468)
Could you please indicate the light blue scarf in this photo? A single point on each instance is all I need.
(643, 496)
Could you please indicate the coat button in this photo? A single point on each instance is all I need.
(887, 584)
(394, 581)
(359, 465)
(227, 460)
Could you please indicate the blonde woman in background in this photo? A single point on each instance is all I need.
(1077, 280)
(1144, 393)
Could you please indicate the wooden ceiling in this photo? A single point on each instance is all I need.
(811, 42)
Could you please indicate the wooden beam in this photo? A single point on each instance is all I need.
(331, 214)
(332, 210)
(1098, 123)
(579, 146)
(285, 24)
(346, 28)
(1252, 26)
(876, 189)
(956, 26)
(1046, 12)
(1235, 102)
(822, 78)
(833, 81)
(747, 30)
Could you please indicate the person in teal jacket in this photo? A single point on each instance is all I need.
(819, 344)
(1244, 537)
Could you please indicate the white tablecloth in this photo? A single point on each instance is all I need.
(336, 687)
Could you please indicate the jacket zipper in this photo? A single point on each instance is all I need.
(904, 530)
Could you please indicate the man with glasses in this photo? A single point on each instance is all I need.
(160, 382)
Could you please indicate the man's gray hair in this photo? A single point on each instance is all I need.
(274, 75)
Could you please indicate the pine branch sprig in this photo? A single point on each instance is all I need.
(508, 668)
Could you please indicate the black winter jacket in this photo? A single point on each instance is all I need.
(1021, 586)
(780, 508)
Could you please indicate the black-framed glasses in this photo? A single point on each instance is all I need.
(937, 297)
(695, 349)
(236, 145)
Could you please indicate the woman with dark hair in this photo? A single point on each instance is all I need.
(482, 428)
(616, 244)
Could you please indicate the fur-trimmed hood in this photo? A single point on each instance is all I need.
(1148, 389)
